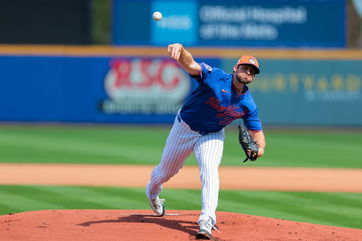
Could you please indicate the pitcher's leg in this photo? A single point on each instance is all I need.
(208, 151)
(178, 147)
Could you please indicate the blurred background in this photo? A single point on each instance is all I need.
(90, 82)
(103, 61)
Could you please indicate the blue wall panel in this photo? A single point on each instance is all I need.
(257, 23)
(151, 90)
(77, 89)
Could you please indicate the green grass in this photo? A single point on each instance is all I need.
(305, 149)
(336, 209)
(144, 144)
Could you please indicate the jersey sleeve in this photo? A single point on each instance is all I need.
(208, 75)
(252, 121)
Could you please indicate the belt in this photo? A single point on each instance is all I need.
(203, 132)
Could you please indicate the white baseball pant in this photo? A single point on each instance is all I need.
(208, 150)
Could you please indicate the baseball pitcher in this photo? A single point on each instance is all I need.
(219, 99)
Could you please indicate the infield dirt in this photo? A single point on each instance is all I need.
(242, 178)
(141, 225)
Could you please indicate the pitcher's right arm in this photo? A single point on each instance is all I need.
(184, 59)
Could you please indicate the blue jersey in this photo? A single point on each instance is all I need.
(215, 104)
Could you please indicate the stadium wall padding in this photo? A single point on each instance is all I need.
(142, 85)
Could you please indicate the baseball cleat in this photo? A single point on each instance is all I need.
(205, 229)
(203, 234)
(157, 206)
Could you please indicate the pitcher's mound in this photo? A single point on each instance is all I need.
(141, 225)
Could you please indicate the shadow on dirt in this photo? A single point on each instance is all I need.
(184, 226)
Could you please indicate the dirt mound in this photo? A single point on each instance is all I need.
(141, 225)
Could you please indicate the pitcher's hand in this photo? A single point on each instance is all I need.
(174, 50)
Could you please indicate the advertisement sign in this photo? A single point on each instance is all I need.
(178, 25)
(144, 86)
(227, 23)
(92, 89)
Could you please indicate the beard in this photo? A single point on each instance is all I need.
(242, 81)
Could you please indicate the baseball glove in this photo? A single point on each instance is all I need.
(248, 144)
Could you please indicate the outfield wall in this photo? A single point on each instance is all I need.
(142, 85)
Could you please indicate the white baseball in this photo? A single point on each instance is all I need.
(157, 16)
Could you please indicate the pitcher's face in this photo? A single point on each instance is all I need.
(244, 73)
